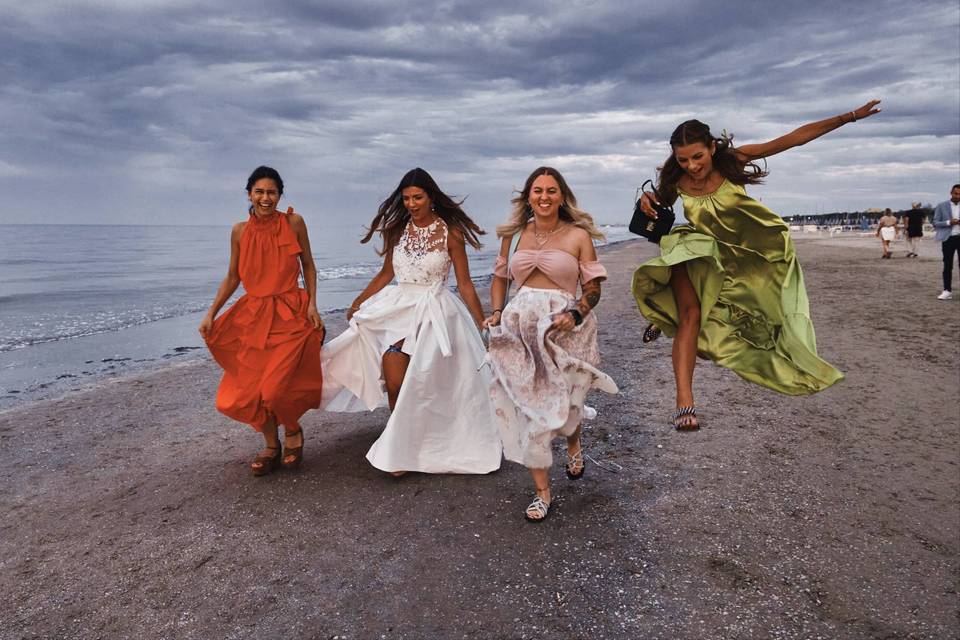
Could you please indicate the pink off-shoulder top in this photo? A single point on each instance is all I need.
(561, 267)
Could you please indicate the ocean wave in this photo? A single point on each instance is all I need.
(19, 330)
(348, 271)
(44, 329)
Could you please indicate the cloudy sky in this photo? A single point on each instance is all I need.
(155, 111)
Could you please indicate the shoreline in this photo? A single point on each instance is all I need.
(130, 512)
(120, 367)
(134, 351)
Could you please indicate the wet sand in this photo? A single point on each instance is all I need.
(129, 510)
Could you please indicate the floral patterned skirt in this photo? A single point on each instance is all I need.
(541, 376)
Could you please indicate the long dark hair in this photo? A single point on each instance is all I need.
(392, 216)
(724, 159)
(569, 211)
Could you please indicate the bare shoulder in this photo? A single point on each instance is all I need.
(455, 237)
(584, 243)
(296, 221)
(238, 229)
(579, 237)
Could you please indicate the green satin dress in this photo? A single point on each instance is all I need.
(755, 317)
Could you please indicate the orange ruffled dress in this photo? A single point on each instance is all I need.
(268, 348)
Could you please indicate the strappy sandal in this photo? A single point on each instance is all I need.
(575, 464)
(262, 465)
(685, 419)
(538, 510)
(651, 333)
(296, 453)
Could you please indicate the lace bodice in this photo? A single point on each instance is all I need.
(421, 255)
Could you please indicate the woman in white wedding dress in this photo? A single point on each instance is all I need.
(415, 345)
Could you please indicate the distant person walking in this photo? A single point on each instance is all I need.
(946, 221)
(268, 342)
(887, 231)
(913, 229)
(727, 286)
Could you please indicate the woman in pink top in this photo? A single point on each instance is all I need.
(543, 344)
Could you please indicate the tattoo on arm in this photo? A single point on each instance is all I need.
(590, 297)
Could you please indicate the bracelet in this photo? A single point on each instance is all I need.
(853, 114)
(496, 311)
(577, 316)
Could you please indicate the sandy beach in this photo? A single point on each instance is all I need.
(129, 510)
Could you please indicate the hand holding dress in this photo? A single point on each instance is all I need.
(268, 348)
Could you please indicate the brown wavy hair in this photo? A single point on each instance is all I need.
(569, 212)
(392, 216)
(725, 159)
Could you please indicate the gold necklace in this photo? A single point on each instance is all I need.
(543, 238)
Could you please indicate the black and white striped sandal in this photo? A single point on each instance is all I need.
(685, 419)
(651, 333)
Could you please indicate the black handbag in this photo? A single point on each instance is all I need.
(643, 225)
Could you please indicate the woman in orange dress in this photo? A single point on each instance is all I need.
(268, 342)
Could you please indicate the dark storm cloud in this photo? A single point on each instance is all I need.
(136, 99)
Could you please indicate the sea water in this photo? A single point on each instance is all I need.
(79, 302)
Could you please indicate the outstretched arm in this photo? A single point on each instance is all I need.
(230, 282)
(804, 134)
(382, 279)
(461, 267)
(498, 289)
(299, 227)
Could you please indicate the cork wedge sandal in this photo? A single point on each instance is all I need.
(262, 465)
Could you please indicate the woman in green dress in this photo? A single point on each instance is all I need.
(727, 286)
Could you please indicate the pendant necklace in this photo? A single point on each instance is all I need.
(543, 238)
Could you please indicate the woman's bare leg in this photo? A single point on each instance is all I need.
(685, 342)
(394, 365)
(541, 482)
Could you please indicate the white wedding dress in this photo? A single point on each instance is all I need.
(443, 420)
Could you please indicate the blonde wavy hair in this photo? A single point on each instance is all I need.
(569, 212)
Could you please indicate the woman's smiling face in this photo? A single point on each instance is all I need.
(545, 196)
(264, 196)
(695, 158)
